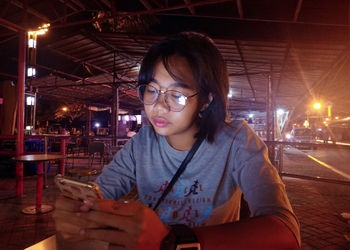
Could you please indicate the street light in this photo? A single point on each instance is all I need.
(317, 105)
(31, 48)
(65, 109)
(280, 111)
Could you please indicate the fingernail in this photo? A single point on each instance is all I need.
(89, 203)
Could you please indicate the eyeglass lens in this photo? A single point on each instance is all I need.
(175, 100)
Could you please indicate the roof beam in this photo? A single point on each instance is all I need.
(11, 26)
(8, 75)
(245, 69)
(107, 3)
(100, 7)
(30, 10)
(65, 74)
(285, 59)
(146, 4)
(160, 5)
(106, 45)
(4, 10)
(65, 2)
(77, 60)
(297, 10)
(78, 3)
(143, 12)
(190, 8)
(240, 8)
(85, 84)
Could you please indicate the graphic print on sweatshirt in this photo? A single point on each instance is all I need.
(185, 203)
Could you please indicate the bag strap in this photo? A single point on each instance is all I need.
(179, 171)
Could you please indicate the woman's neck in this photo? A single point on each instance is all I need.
(180, 142)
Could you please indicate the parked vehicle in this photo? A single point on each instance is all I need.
(302, 135)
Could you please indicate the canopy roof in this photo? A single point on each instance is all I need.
(302, 46)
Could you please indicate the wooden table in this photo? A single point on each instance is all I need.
(55, 242)
(47, 244)
(40, 159)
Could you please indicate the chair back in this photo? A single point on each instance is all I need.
(96, 147)
(93, 148)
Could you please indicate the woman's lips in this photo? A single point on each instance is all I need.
(160, 122)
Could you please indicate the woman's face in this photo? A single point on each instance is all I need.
(174, 125)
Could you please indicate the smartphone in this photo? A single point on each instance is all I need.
(76, 189)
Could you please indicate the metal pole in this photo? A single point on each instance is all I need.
(34, 113)
(88, 127)
(63, 152)
(281, 150)
(45, 163)
(114, 141)
(115, 108)
(270, 120)
(268, 109)
(20, 110)
(116, 97)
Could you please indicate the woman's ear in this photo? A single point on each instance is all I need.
(210, 98)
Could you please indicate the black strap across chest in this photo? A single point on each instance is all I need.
(179, 171)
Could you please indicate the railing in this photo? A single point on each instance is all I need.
(304, 160)
(46, 143)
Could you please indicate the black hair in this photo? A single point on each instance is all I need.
(209, 71)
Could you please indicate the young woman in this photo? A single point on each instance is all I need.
(183, 84)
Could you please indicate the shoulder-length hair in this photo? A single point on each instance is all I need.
(209, 71)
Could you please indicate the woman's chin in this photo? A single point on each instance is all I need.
(161, 131)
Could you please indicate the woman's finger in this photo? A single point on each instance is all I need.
(123, 208)
(76, 219)
(108, 219)
(64, 203)
(114, 237)
(68, 228)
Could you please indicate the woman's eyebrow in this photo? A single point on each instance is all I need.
(174, 84)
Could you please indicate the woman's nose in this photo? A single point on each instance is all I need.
(161, 102)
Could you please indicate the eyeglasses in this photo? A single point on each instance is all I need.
(175, 100)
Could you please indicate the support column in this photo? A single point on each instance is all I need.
(88, 125)
(270, 135)
(115, 112)
(115, 107)
(20, 110)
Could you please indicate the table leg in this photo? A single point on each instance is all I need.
(45, 163)
(39, 186)
(19, 179)
(38, 208)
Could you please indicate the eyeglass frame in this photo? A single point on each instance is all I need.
(165, 99)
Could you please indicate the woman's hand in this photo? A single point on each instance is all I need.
(68, 223)
(127, 225)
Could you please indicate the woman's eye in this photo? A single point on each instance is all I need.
(179, 98)
(151, 90)
(176, 95)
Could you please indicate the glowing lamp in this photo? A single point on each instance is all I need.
(317, 105)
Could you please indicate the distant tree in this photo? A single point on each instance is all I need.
(71, 112)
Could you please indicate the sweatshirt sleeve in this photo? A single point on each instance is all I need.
(259, 180)
(118, 177)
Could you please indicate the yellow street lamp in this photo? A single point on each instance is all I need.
(31, 48)
(65, 109)
(317, 105)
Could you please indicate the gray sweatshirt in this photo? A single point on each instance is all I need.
(209, 191)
